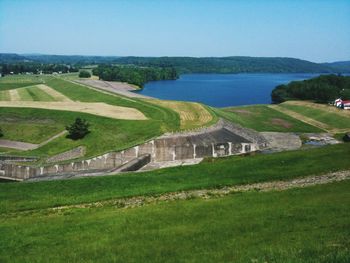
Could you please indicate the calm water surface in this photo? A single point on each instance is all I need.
(221, 90)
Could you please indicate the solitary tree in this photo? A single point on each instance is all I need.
(84, 74)
(78, 129)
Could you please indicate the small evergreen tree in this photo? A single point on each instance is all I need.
(1, 133)
(78, 129)
(84, 74)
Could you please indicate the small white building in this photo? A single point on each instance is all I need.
(346, 104)
(338, 102)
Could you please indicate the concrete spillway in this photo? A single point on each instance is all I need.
(222, 139)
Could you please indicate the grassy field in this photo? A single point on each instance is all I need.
(211, 174)
(5, 95)
(28, 125)
(321, 115)
(192, 115)
(25, 124)
(169, 119)
(263, 118)
(37, 125)
(300, 225)
(18, 81)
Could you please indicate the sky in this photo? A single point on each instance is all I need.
(318, 31)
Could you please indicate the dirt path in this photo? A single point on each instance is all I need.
(212, 193)
(97, 108)
(302, 118)
(119, 88)
(23, 146)
(53, 93)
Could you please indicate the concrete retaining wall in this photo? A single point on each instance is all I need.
(222, 140)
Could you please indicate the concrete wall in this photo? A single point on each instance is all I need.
(211, 143)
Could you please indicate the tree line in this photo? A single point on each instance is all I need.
(35, 68)
(134, 75)
(325, 88)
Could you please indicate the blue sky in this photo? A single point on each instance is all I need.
(314, 30)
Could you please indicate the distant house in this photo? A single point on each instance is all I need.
(338, 103)
(346, 104)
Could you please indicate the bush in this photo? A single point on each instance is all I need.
(346, 137)
(84, 74)
(1, 133)
(78, 129)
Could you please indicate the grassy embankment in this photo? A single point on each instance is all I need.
(216, 173)
(192, 114)
(263, 118)
(29, 125)
(299, 225)
(321, 114)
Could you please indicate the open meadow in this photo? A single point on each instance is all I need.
(281, 226)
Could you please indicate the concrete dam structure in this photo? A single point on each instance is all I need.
(222, 139)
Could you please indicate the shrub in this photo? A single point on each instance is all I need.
(78, 129)
(1, 133)
(84, 74)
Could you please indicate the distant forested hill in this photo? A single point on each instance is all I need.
(230, 64)
(324, 88)
(235, 64)
(341, 66)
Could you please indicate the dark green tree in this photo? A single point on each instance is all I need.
(84, 74)
(78, 129)
(1, 133)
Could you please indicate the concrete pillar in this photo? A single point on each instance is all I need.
(174, 154)
(136, 151)
(194, 151)
(153, 155)
(213, 149)
(230, 148)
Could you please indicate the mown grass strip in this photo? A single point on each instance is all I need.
(210, 174)
(25, 94)
(263, 118)
(169, 119)
(329, 118)
(5, 95)
(39, 95)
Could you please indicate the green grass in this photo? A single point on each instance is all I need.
(4, 95)
(24, 94)
(4, 150)
(263, 118)
(28, 125)
(216, 173)
(25, 124)
(329, 118)
(301, 225)
(19, 81)
(169, 119)
(106, 135)
(38, 95)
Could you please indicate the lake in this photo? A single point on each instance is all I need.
(222, 90)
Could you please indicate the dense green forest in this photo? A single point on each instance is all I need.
(234, 64)
(22, 67)
(134, 75)
(324, 88)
